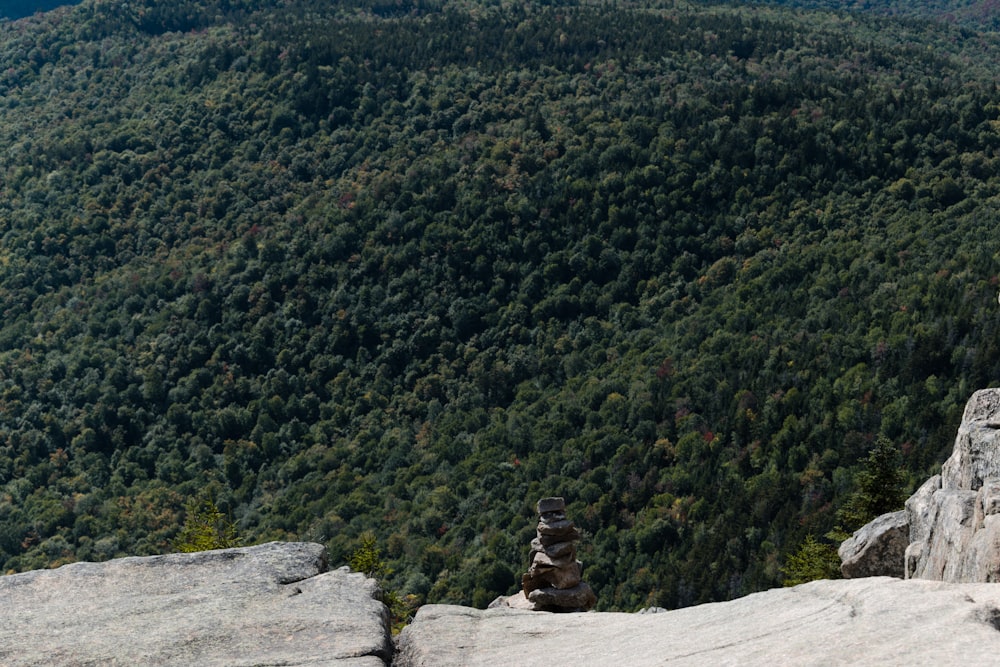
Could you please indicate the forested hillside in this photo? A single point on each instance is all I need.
(974, 14)
(406, 267)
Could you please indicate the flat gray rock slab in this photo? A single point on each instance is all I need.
(271, 604)
(872, 621)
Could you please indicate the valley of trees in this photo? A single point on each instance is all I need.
(974, 14)
(395, 270)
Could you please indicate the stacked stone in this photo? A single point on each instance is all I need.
(554, 578)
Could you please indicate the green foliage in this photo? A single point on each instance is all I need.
(206, 528)
(880, 487)
(367, 559)
(811, 561)
(974, 15)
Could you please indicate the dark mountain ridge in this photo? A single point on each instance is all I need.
(15, 9)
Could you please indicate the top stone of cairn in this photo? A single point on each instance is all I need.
(550, 505)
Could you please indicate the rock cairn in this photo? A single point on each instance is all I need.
(554, 581)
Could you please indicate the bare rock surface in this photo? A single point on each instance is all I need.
(952, 522)
(954, 518)
(271, 604)
(877, 549)
(870, 621)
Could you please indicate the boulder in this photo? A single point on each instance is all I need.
(976, 456)
(877, 549)
(870, 621)
(268, 604)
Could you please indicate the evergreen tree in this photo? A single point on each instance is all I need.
(206, 528)
(879, 487)
(367, 559)
(813, 560)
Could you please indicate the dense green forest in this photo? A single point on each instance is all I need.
(975, 14)
(402, 268)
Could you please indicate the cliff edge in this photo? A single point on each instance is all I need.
(271, 604)
(872, 621)
(276, 604)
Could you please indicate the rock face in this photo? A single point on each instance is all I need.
(955, 516)
(268, 604)
(952, 521)
(877, 549)
(871, 621)
(554, 580)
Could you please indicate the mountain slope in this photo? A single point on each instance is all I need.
(972, 14)
(406, 268)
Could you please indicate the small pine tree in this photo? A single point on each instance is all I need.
(813, 560)
(367, 559)
(880, 487)
(206, 528)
